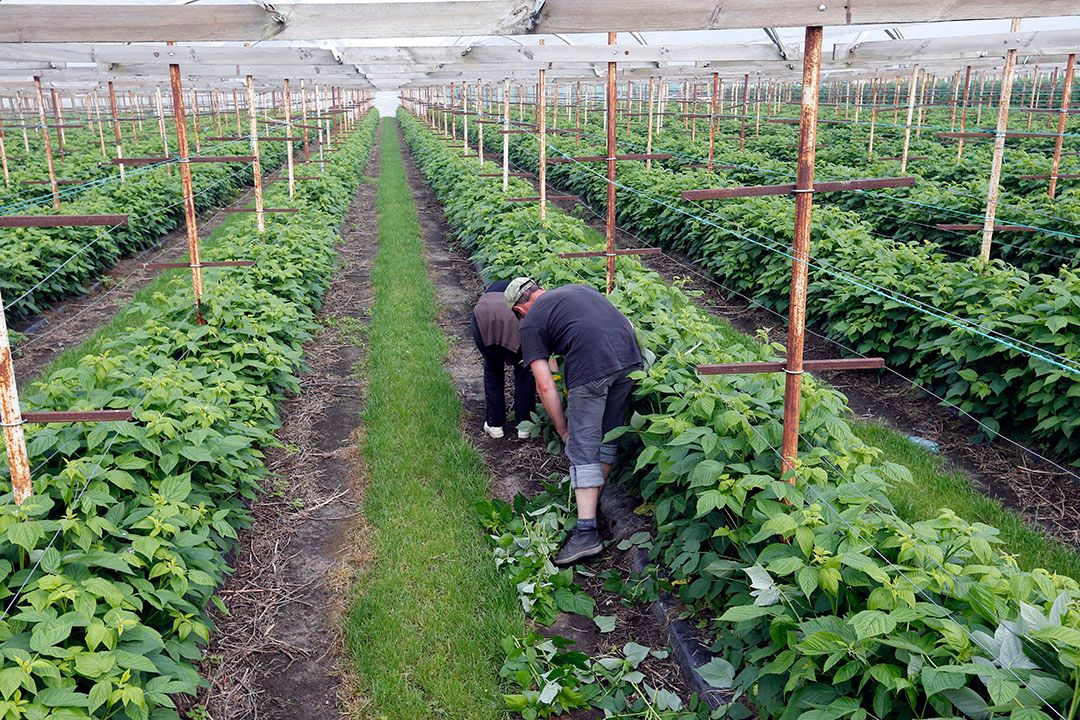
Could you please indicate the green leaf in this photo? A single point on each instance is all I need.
(871, 623)
(176, 488)
(935, 681)
(25, 534)
(718, 672)
(92, 665)
(742, 613)
(606, 623)
(574, 602)
(62, 697)
(49, 634)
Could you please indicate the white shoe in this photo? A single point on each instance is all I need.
(495, 432)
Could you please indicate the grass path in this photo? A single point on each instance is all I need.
(429, 615)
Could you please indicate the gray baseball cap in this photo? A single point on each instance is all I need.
(517, 287)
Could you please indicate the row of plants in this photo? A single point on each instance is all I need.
(105, 572)
(826, 604)
(947, 192)
(39, 266)
(965, 331)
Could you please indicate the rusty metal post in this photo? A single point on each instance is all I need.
(912, 86)
(59, 120)
(48, 143)
(116, 128)
(161, 123)
(1063, 116)
(541, 118)
(999, 149)
(712, 118)
(875, 85)
(288, 143)
(648, 138)
(1034, 96)
(3, 156)
(612, 103)
(804, 202)
(963, 113)
(742, 115)
(189, 195)
(236, 112)
(480, 110)
(11, 420)
(304, 121)
(256, 166)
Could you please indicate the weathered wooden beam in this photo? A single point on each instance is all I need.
(76, 416)
(601, 158)
(203, 264)
(997, 228)
(536, 198)
(62, 220)
(604, 253)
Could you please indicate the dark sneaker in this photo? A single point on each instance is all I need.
(580, 545)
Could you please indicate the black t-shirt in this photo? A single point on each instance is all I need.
(584, 328)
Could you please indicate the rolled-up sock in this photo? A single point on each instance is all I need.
(586, 524)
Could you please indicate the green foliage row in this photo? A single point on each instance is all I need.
(123, 542)
(825, 602)
(870, 293)
(59, 262)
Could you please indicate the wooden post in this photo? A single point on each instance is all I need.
(926, 81)
(195, 120)
(1049, 99)
(712, 119)
(260, 217)
(100, 127)
(189, 196)
(1034, 96)
(875, 85)
(304, 121)
(745, 108)
(48, 143)
(3, 155)
(19, 118)
(1063, 116)
(612, 104)
(11, 419)
(161, 123)
(804, 202)
(236, 112)
(963, 113)
(506, 135)
(116, 128)
(288, 143)
(912, 86)
(999, 149)
(215, 97)
(541, 117)
(319, 122)
(59, 120)
(952, 106)
(648, 138)
(555, 104)
(480, 116)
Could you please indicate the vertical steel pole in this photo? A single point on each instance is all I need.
(11, 419)
(541, 119)
(912, 86)
(288, 143)
(875, 85)
(304, 121)
(963, 112)
(506, 135)
(116, 128)
(648, 138)
(3, 155)
(804, 203)
(48, 144)
(59, 120)
(712, 118)
(612, 103)
(1063, 116)
(189, 195)
(999, 150)
(745, 108)
(260, 217)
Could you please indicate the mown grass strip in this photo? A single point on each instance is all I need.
(429, 616)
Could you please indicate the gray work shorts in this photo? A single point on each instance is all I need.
(592, 410)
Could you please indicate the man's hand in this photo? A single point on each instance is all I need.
(549, 396)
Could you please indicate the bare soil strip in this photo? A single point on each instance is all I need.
(278, 652)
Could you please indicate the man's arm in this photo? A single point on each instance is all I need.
(549, 395)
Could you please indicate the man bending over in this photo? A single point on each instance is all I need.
(599, 350)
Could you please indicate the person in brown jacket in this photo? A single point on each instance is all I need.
(495, 331)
